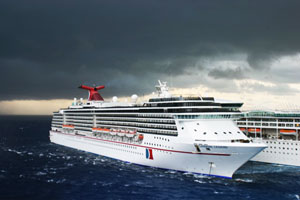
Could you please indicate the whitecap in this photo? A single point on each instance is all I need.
(40, 173)
(244, 180)
(171, 172)
(201, 176)
(198, 181)
(61, 181)
(14, 151)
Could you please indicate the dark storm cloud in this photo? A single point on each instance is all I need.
(227, 73)
(48, 48)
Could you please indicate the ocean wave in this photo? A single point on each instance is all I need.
(41, 173)
(244, 180)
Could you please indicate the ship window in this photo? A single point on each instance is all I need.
(195, 130)
(224, 132)
(182, 128)
(229, 132)
(237, 132)
(204, 133)
(197, 123)
(216, 133)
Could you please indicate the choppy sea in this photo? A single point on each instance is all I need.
(33, 168)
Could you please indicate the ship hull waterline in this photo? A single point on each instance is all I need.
(219, 164)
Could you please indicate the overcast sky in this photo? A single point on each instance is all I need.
(49, 48)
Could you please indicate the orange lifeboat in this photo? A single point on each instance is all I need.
(68, 126)
(288, 132)
(243, 129)
(253, 130)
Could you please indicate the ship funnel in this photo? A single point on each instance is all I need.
(93, 92)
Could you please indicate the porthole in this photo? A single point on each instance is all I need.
(216, 133)
(224, 132)
(204, 133)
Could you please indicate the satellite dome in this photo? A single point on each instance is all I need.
(115, 99)
(134, 97)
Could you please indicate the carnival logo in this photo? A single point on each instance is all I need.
(149, 154)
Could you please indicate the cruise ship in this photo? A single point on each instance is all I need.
(190, 134)
(279, 130)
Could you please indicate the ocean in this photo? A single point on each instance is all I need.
(33, 168)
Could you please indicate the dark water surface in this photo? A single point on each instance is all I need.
(33, 168)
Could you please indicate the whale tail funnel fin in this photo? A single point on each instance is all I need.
(93, 92)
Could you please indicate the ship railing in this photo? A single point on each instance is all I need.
(165, 126)
(134, 119)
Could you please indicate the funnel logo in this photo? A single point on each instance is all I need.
(149, 154)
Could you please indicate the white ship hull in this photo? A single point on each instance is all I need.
(222, 159)
(286, 152)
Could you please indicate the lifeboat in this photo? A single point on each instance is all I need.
(95, 129)
(121, 133)
(243, 129)
(68, 126)
(253, 130)
(113, 131)
(288, 132)
(130, 134)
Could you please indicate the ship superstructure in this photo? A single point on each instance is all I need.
(194, 134)
(280, 130)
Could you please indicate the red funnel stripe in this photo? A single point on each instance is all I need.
(93, 92)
